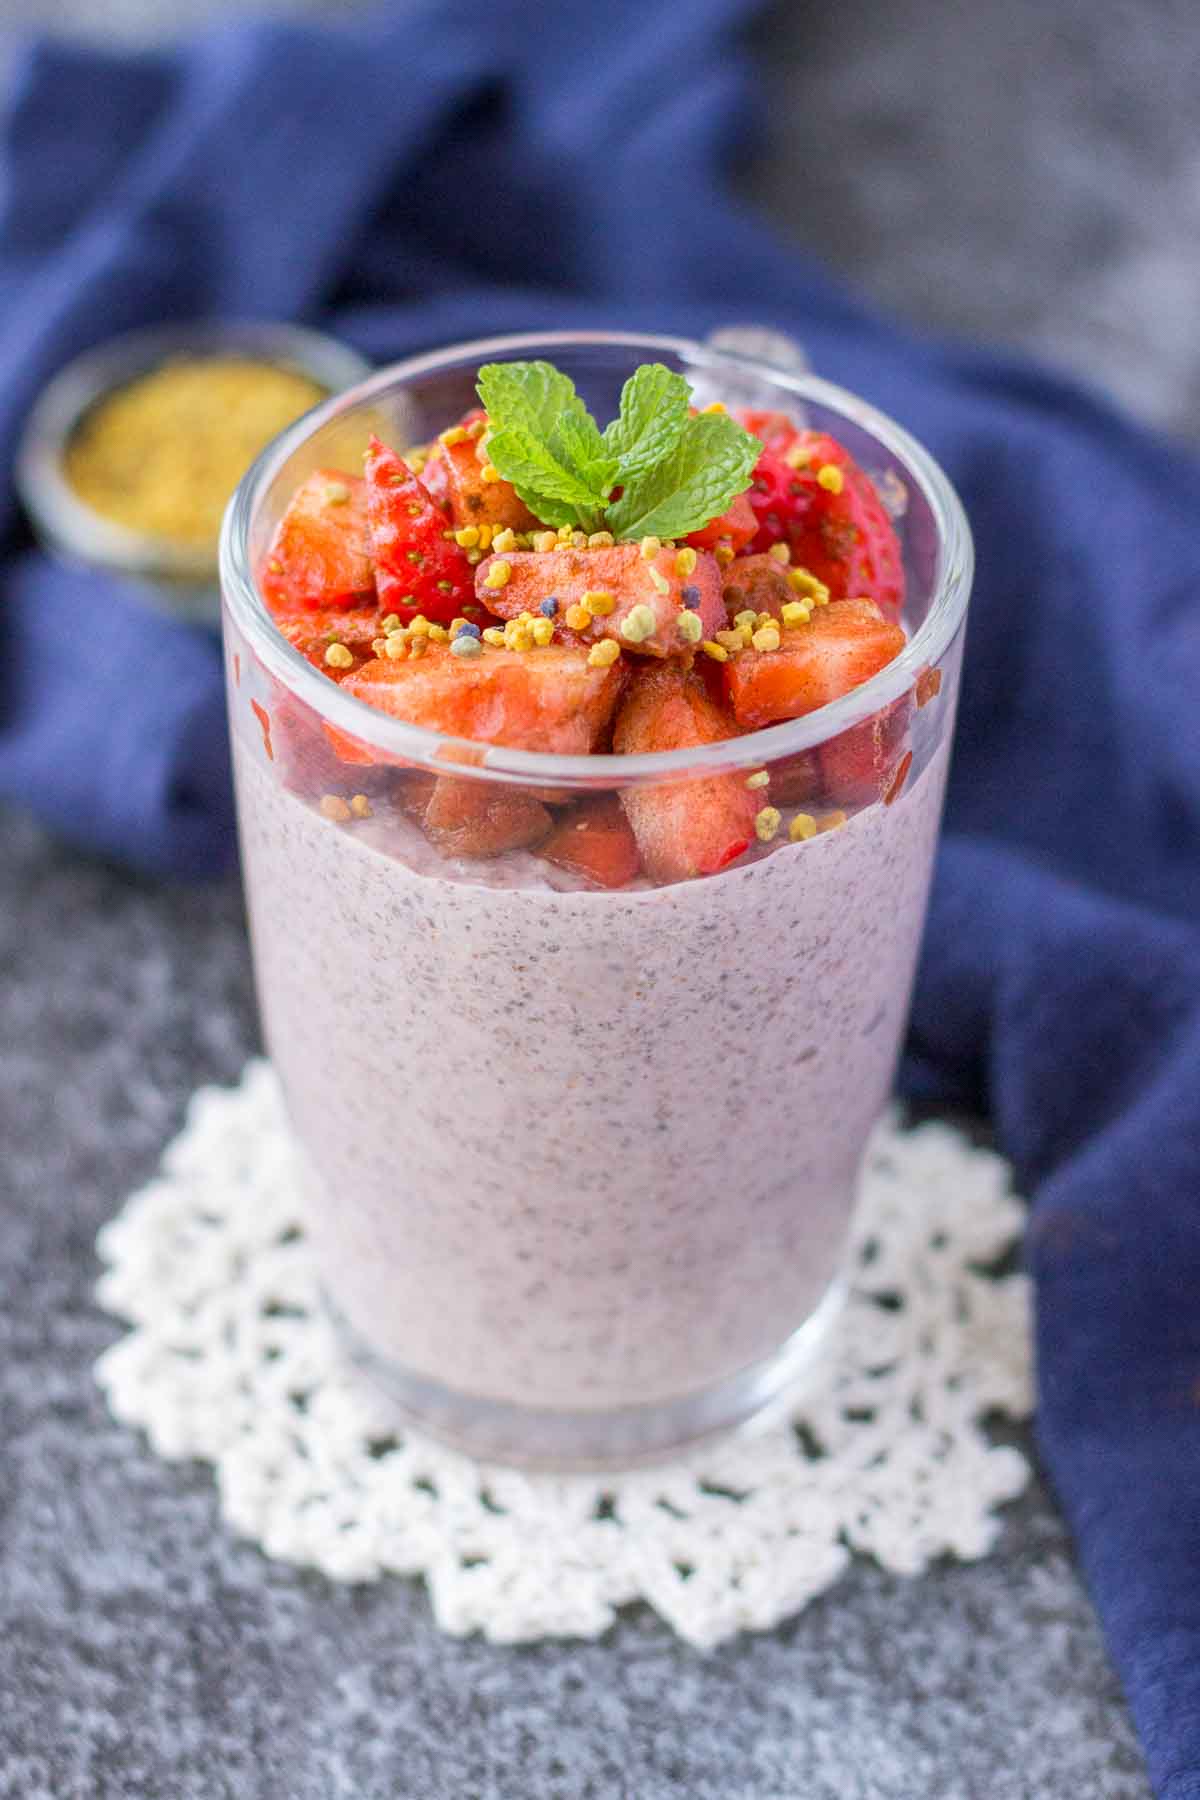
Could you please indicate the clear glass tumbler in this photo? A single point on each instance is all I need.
(580, 1164)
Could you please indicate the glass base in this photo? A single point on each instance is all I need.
(538, 1438)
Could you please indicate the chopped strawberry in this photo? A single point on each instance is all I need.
(682, 828)
(774, 430)
(757, 584)
(621, 572)
(417, 569)
(595, 840)
(828, 513)
(319, 556)
(479, 818)
(858, 765)
(313, 633)
(456, 470)
(735, 527)
(548, 699)
(842, 645)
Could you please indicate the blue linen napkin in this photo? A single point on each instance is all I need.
(458, 168)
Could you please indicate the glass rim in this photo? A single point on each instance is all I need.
(398, 740)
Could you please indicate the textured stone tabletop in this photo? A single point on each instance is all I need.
(147, 1655)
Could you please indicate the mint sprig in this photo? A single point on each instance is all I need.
(675, 472)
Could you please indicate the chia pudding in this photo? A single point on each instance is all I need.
(582, 1049)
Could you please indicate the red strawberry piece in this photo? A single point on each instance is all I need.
(320, 555)
(756, 584)
(828, 513)
(482, 818)
(691, 827)
(313, 633)
(842, 645)
(859, 765)
(458, 472)
(595, 840)
(734, 527)
(548, 699)
(417, 569)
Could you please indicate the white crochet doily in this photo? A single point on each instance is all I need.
(230, 1359)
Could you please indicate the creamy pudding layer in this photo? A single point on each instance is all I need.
(581, 1149)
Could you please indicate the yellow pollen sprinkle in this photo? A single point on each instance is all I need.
(360, 806)
(578, 617)
(485, 537)
(338, 657)
(489, 472)
(379, 646)
(796, 612)
(391, 623)
(494, 636)
(474, 557)
(599, 602)
(659, 579)
(457, 434)
(732, 640)
(759, 779)
(685, 561)
(450, 535)
(456, 626)
(275, 566)
(716, 651)
(498, 575)
(563, 534)
(579, 540)
(438, 634)
(505, 539)
(543, 631)
(396, 648)
(766, 638)
(780, 553)
(335, 808)
(802, 827)
(467, 538)
(600, 540)
(650, 547)
(798, 457)
(805, 582)
(545, 541)
(767, 823)
(604, 654)
(516, 636)
(639, 624)
(717, 406)
(476, 428)
(419, 626)
(416, 460)
(832, 821)
(830, 477)
(724, 555)
(747, 618)
(689, 627)
(764, 618)
(336, 493)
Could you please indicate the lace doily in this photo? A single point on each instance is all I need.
(230, 1359)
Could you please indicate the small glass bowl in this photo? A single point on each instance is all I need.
(173, 577)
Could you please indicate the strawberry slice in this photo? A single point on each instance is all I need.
(313, 633)
(596, 841)
(417, 568)
(659, 587)
(547, 699)
(455, 473)
(479, 818)
(757, 583)
(811, 495)
(858, 765)
(320, 556)
(842, 645)
(734, 527)
(692, 827)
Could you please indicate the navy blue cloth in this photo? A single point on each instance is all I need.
(462, 168)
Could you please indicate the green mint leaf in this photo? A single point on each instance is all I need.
(551, 490)
(711, 462)
(654, 410)
(576, 442)
(527, 396)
